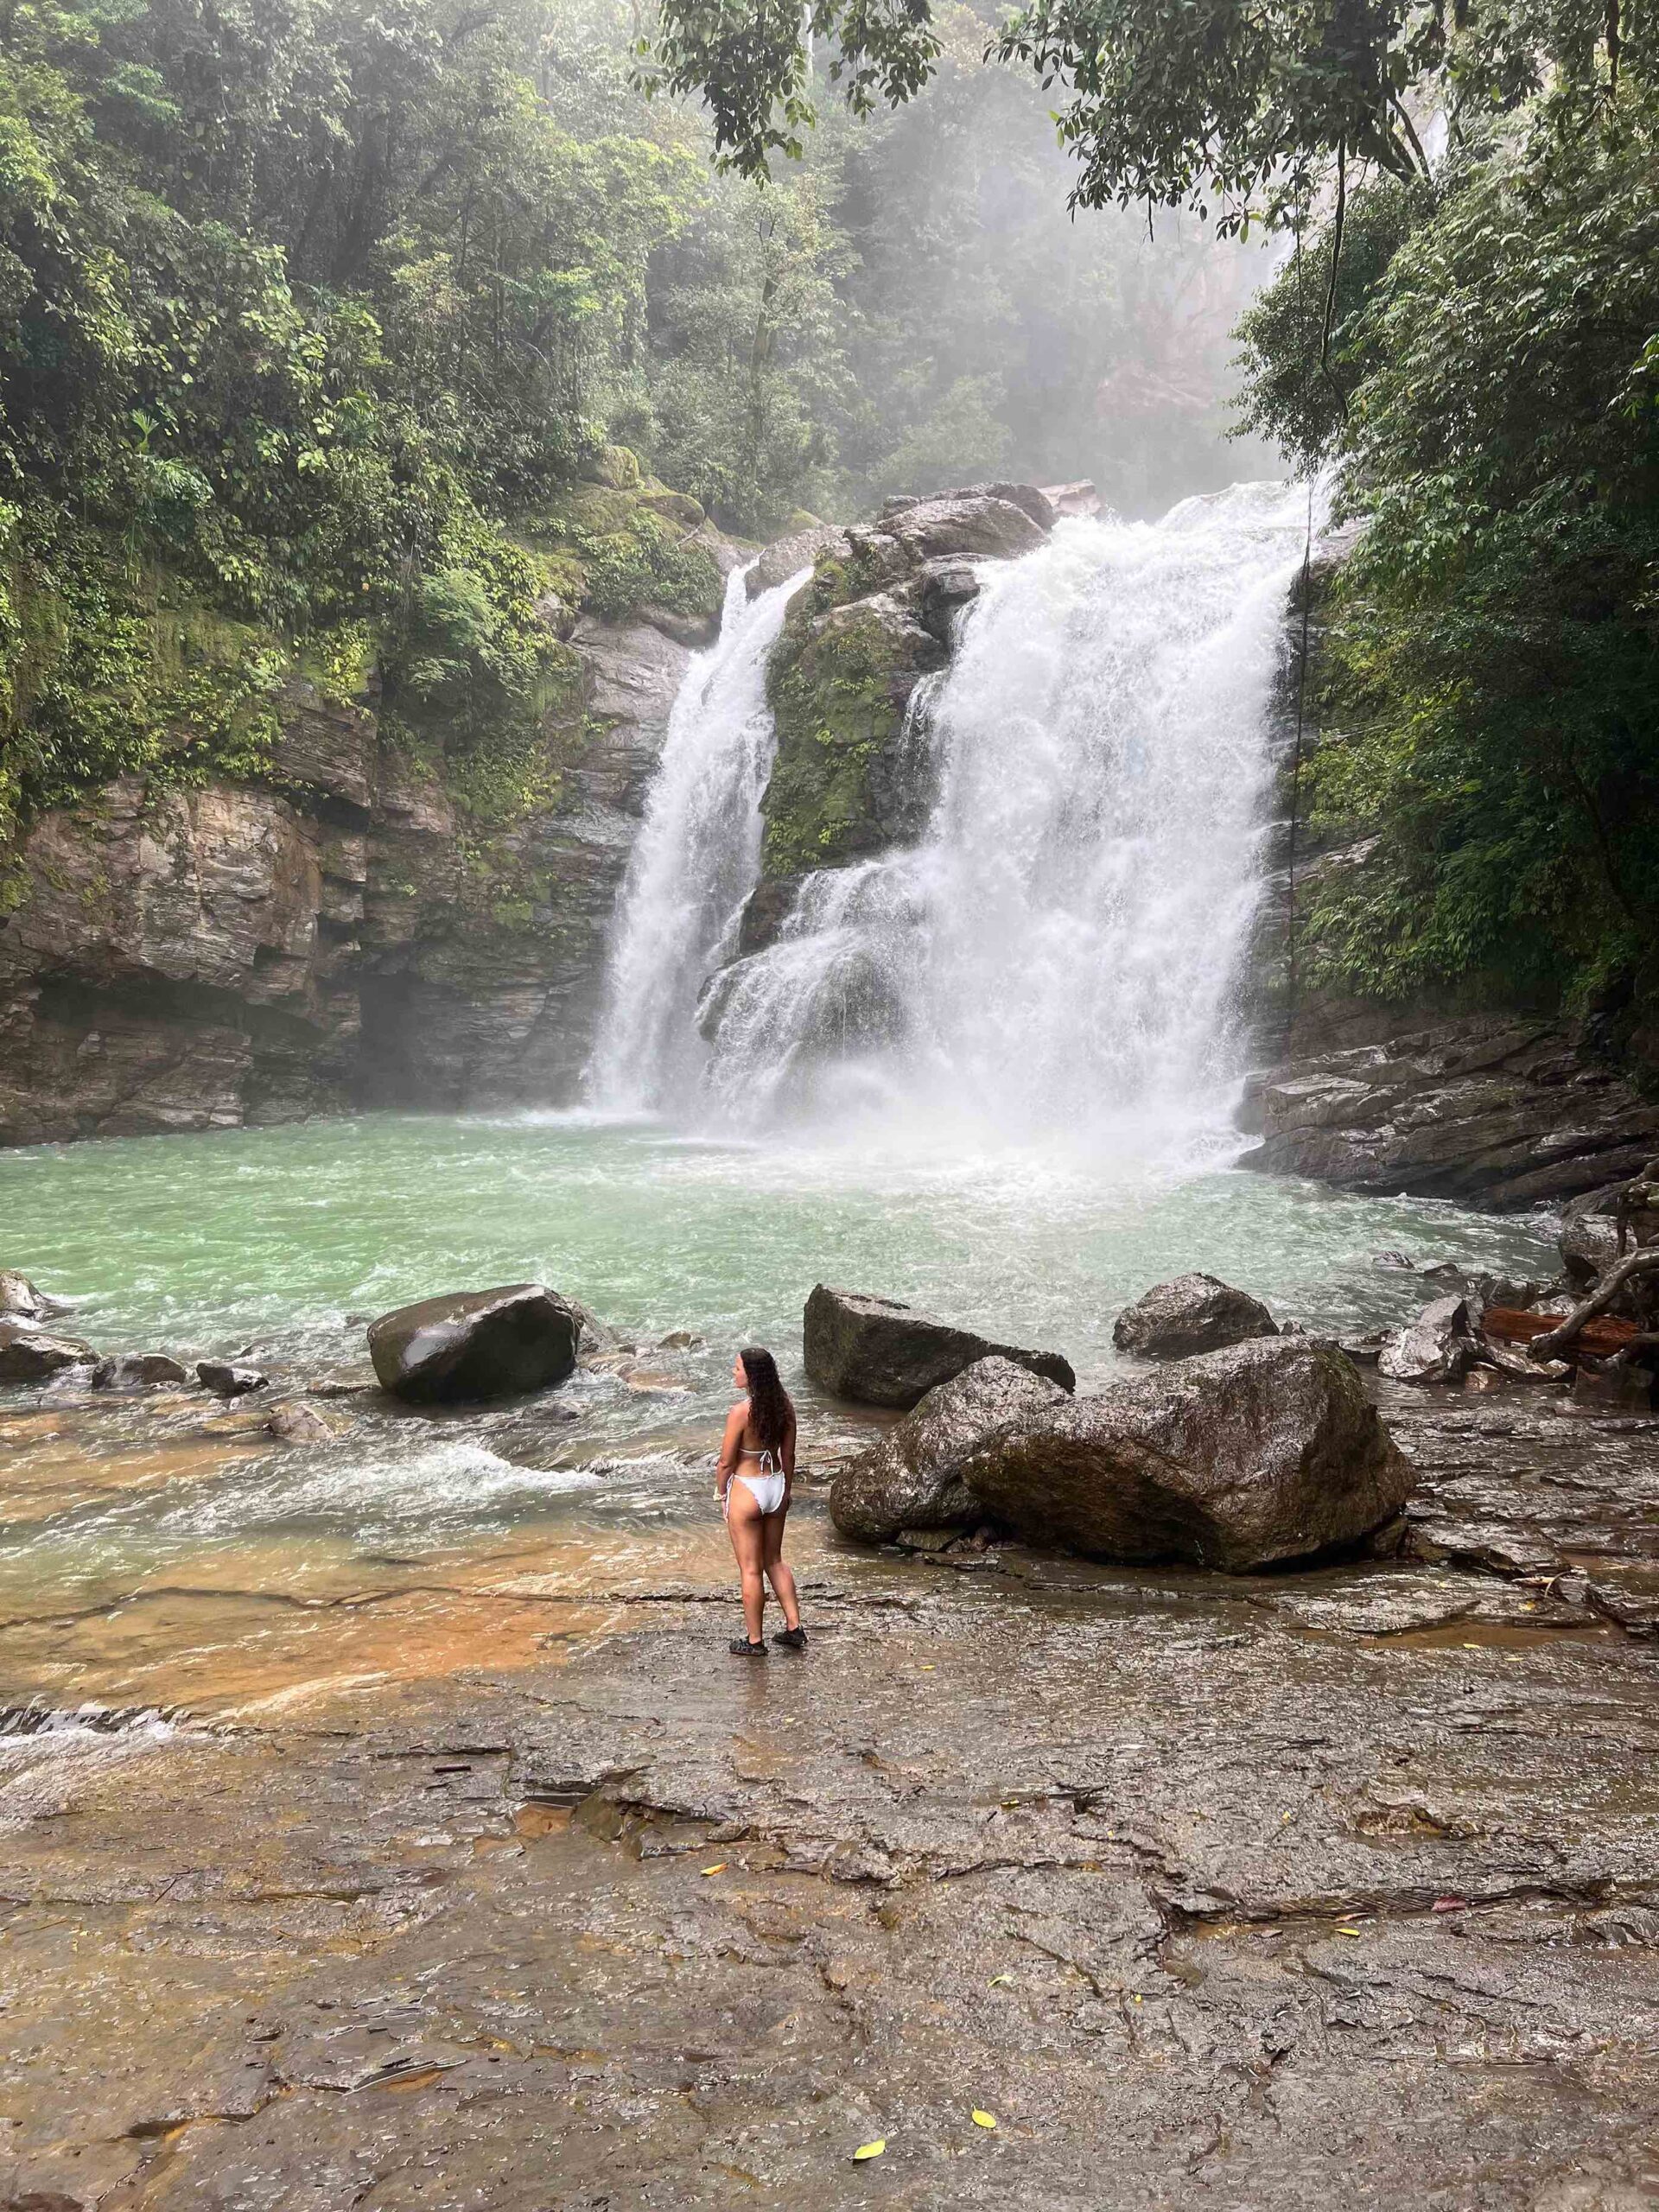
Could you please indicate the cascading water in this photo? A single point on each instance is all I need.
(1057, 958)
(694, 863)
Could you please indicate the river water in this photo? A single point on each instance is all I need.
(275, 1243)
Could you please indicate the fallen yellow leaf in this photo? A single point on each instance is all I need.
(984, 2118)
(872, 2149)
(997, 1980)
(1347, 1931)
(707, 1871)
(928, 1667)
(1139, 2000)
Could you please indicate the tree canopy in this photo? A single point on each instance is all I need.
(316, 318)
(1228, 102)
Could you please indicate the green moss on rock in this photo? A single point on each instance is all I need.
(840, 686)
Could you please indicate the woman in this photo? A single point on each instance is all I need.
(757, 1466)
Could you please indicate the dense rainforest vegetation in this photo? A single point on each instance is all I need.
(1464, 334)
(334, 337)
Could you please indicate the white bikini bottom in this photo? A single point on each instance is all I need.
(766, 1491)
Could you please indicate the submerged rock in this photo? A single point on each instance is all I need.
(140, 1371)
(301, 1422)
(476, 1344)
(1194, 1314)
(1436, 1347)
(912, 1477)
(21, 1302)
(32, 1355)
(882, 1353)
(226, 1380)
(1234, 1459)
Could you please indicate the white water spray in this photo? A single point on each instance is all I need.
(1059, 958)
(693, 865)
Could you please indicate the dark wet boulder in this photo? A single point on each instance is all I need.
(1588, 1241)
(1194, 1314)
(227, 1380)
(33, 1355)
(912, 1479)
(140, 1371)
(1234, 1459)
(1437, 1347)
(476, 1344)
(21, 1302)
(882, 1353)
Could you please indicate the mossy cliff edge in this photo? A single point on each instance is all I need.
(852, 775)
(244, 877)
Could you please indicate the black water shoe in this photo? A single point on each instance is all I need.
(794, 1638)
(742, 1648)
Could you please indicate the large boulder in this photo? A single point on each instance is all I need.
(140, 1371)
(21, 1302)
(32, 1355)
(885, 1354)
(1237, 1459)
(476, 1344)
(1589, 1237)
(912, 1477)
(786, 556)
(1437, 1347)
(1194, 1314)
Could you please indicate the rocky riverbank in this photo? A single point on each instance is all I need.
(486, 1876)
(1337, 1886)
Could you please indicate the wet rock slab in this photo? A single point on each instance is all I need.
(1268, 1908)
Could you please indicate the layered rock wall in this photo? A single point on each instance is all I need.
(345, 931)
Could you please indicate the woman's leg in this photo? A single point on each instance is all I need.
(744, 1525)
(777, 1573)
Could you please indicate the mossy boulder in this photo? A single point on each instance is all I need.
(850, 776)
(617, 466)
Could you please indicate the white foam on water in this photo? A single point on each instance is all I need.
(42, 1766)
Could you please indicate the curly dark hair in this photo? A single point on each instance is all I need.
(770, 1410)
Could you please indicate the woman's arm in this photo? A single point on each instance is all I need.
(787, 1455)
(730, 1445)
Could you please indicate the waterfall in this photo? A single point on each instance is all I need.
(693, 864)
(1058, 957)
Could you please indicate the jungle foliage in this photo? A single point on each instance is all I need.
(1464, 334)
(1484, 383)
(335, 331)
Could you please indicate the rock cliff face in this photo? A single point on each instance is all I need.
(1508, 1108)
(346, 931)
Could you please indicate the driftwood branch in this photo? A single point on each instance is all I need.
(1645, 1262)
